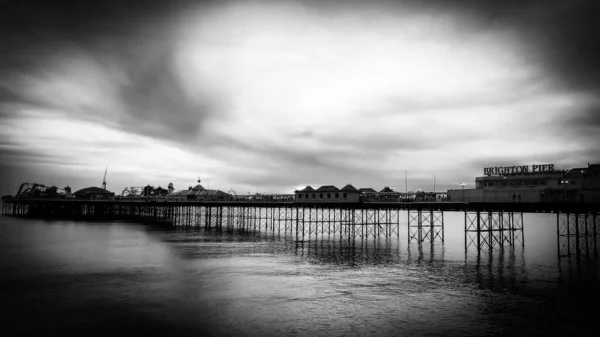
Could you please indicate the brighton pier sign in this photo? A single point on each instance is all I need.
(522, 169)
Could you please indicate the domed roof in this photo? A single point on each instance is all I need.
(198, 188)
(92, 190)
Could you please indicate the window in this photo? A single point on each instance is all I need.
(321, 195)
(328, 195)
(306, 196)
(345, 195)
(299, 196)
(337, 195)
(314, 195)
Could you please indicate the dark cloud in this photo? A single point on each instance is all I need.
(19, 165)
(128, 37)
(17, 155)
(158, 106)
(561, 34)
(587, 118)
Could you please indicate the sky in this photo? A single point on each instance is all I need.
(271, 96)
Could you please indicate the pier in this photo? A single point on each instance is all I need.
(487, 225)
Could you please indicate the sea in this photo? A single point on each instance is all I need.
(63, 278)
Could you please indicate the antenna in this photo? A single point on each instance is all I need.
(104, 180)
(405, 182)
(434, 183)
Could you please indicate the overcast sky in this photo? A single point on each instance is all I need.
(277, 95)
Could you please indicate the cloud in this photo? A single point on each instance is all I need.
(283, 93)
(87, 70)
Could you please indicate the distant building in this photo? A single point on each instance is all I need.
(350, 193)
(94, 193)
(327, 193)
(388, 193)
(147, 191)
(535, 183)
(199, 193)
(367, 190)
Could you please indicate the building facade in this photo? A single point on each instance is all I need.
(327, 193)
(538, 183)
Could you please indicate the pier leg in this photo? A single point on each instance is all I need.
(478, 231)
(577, 249)
(595, 236)
(558, 233)
(568, 235)
(442, 226)
(587, 235)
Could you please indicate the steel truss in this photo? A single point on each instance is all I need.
(304, 221)
(311, 220)
(425, 226)
(493, 229)
(577, 234)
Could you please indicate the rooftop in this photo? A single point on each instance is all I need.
(328, 188)
(349, 188)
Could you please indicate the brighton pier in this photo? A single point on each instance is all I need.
(493, 210)
(487, 225)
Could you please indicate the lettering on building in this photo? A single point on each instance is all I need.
(521, 169)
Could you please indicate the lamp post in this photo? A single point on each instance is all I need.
(463, 191)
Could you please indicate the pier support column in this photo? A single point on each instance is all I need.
(490, 229)
(426, 225)
(577, 234)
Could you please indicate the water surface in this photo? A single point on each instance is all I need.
(96, 278)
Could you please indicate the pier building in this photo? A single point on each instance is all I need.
(94, 193)
(535, 183)
(198, 193)
(327, 193)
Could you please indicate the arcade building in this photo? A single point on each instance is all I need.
(535, 183)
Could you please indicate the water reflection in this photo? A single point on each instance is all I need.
(500, 269)
(497, 270)
(243, 282)
(348, 252)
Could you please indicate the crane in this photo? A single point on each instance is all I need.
(104, 180)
